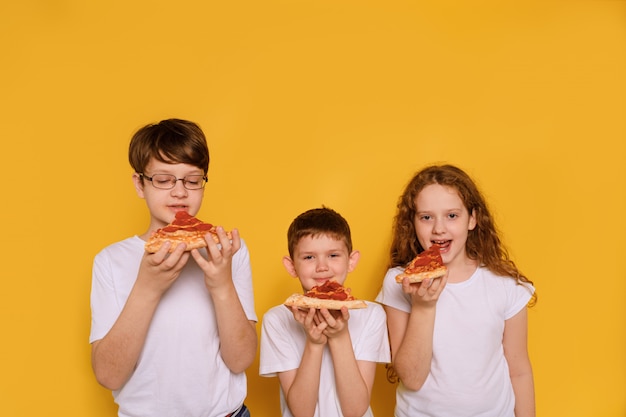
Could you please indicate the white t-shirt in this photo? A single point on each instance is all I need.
(180, 372)
(469, 374)
(282, 345)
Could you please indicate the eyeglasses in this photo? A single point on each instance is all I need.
(167, 181)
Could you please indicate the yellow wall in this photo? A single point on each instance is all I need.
(309, 103)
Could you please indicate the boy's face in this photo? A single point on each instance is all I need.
(163, 204)
(319, 259)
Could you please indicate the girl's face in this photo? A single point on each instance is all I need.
(442, 218)
(319, 259)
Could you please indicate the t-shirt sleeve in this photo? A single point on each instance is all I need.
(391, 292)
(518, 296)
(279, 350)
(242, 278)
(104, 308)
(373, 343)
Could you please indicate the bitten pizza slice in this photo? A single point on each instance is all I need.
(330, 295)
(185, 228)
(428, 264)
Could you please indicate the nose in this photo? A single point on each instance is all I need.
(322, 265)
(179, 189)
(439, 226)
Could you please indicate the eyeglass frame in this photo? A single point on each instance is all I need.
(183, 179)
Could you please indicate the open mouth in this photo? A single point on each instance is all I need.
(443, 244)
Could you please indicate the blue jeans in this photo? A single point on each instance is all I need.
(243, 412)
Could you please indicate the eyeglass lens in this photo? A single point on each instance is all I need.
(167, 181)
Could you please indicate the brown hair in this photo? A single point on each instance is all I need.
(483, 243)
(315, 222)
(171, 141)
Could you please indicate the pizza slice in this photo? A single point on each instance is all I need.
(185, 228)
(428, 264)
(330, 295)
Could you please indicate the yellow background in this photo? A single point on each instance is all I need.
(308, 103)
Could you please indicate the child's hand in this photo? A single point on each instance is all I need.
(336, 321)
(425, 293)
(313, 327)
(217, 267)
(158, 271)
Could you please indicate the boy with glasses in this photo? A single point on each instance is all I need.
(170, 335)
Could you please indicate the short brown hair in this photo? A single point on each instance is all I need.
(315, 222)
(172, 141)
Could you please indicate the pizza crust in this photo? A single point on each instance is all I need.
(421, 276)
(193, 240)
(302, 301)
(185, 228)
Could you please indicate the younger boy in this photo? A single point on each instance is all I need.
(173, 336)
(325, 361)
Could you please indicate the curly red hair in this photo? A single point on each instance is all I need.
(483, 242)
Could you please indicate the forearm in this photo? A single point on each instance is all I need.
(115, 356)
(238, 337)
(515, 341)
(352, 390)
(302, 394)
(414, 356)
(523, 387)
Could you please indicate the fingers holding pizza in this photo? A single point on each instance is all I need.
(323, 310)
(426, 292)
(313, 327)
(194, 234)
(222, 242)
(187, 234)
(217, 263)
(159, 270)
(336, 320)
(425, 276)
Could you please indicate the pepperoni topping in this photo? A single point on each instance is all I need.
(187, 222)
(427, 260)
(330, 290)
(183, 218)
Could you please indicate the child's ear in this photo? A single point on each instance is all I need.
(138, 184)
(354, 259)
(472, 220)
(289, 266)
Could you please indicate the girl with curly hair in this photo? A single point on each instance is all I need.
(458, 343)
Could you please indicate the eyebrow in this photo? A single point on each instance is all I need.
(162, 172)
(333, 249)
(432, 212)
